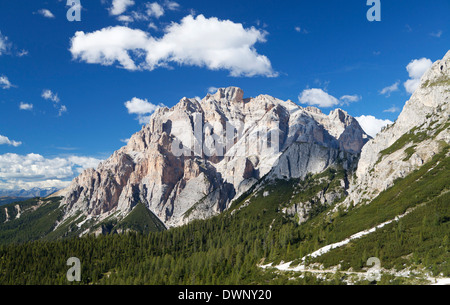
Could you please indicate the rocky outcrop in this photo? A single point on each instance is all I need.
(192, 160)
(419, 133)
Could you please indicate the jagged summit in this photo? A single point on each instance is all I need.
(232, 94)
(192, 160)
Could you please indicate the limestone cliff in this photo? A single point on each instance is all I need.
(192, 160)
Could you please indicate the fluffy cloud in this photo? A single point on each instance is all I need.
(33, 170)
(62, 109)
(5, 141)
(109, 45)
(120, 6)
(5, 83)
(212, 90)
(143, 108)
(171, 5)
(25, 106)
(393, 109)
(7, 48)
(371, 125)
(416, 70)
(18, 184)
(195, 41)
(154, 10)
(389, 89)
(347, 99)
(49, 95)
(320, 98)
(46, 13)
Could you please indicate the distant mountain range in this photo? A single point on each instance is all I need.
(34, 192)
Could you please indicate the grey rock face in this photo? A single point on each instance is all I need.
(191, 161)
(422, 127)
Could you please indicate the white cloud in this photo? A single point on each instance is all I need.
(195, 41)
(5, 141)
(22, 53)
(416, 70)
(318, 97)
(132, 17)
(46, 13)
(120, 6)
(437, 34)
(18, 184)
(347, 99)
(417, 67)
(154, 10)
(25, 106)
(371, 125)
(389, 89)
(125, 18)
(49, 95)
(212, 90)
(153, 26)
(62, 110)
(5, 83)
(138, 106)
(393, 109)
(109, 45)
(7, 48)
(33, 170)
(300, 30)
(4, 44)
(143, 108)
(171, 5)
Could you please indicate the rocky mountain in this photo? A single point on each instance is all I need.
(192, 160)
(420, 132)
(302, 197)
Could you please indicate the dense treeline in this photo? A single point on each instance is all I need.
(228, 248)
(221, 250)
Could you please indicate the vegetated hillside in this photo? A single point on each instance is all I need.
(8, 200)
(228, 248)
(42, 218)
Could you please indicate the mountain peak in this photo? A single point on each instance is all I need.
(413, 140)
(232, 94)
(192, 160)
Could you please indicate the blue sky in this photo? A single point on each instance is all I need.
(63, 95)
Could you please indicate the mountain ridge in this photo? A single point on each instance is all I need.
(181, 159)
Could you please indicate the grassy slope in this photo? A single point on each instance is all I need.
(227, 248)
(141, 219)
(32, 224)
(421, 239)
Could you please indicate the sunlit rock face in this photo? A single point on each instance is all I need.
(418, 134)
(192, 160)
